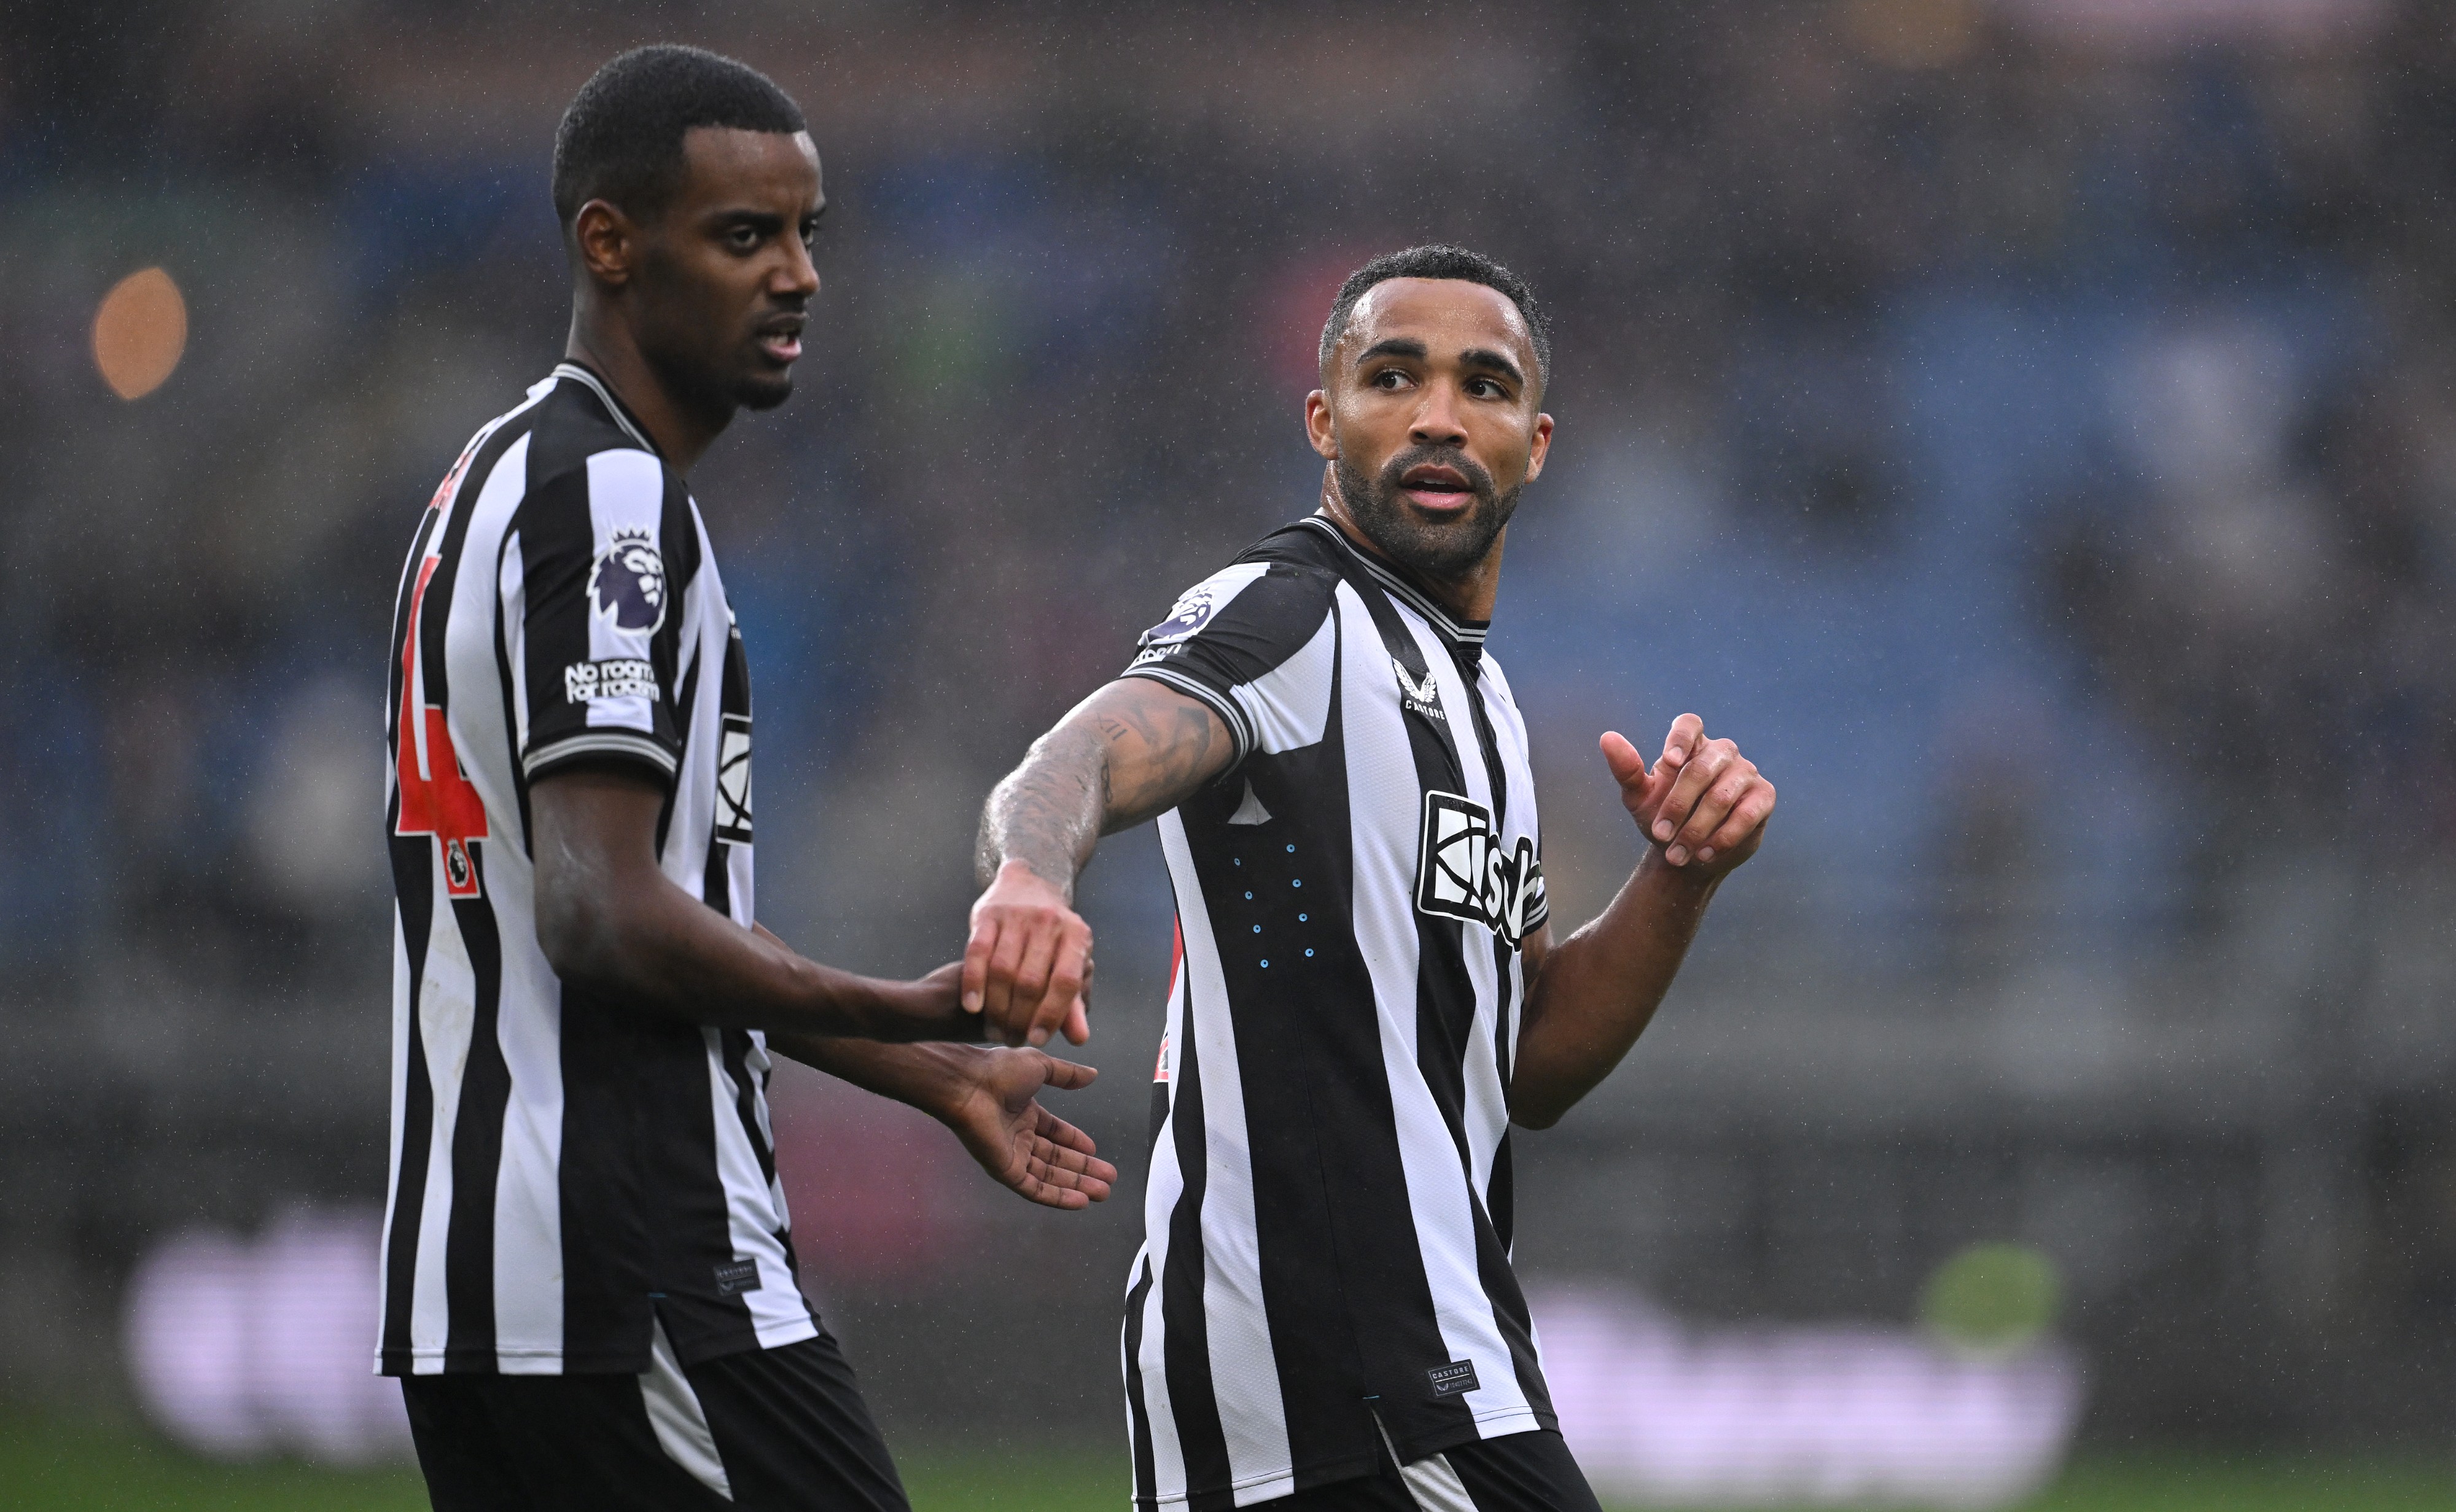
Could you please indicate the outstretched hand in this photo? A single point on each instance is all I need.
(1024, 1146)
(1703, 805)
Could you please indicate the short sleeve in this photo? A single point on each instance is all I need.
(1258, 641)
(586, 584)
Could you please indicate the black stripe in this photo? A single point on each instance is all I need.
(689, 1212)
(601, 1188)
(477, 1143)
(413, 880)
(1137, 1414)
(1185, 1337)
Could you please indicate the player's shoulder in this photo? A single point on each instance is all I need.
(1307, 549)
(1281, 584)
(578, 431)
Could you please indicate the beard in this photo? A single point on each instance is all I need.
(1439, 551)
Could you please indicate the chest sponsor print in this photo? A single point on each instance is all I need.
(1462, 873)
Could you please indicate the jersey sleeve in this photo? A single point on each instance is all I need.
(591, 628)
(1258, 642)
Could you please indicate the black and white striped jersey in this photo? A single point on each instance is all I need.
(564, 1174)
(1327, 1226)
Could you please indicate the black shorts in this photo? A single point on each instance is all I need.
(1522, 1472)
(766, 1430)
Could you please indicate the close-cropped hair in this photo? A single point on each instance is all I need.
(1440, 261)
(622, 138)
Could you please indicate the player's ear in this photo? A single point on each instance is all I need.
(1541, 449)
(606, 242)
(1318, 426)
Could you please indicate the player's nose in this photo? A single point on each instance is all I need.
(1437, 418)
(799, 274)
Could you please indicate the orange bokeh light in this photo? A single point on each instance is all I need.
(140, 332)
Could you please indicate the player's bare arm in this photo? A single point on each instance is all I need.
(988, 1096)
(1703, 809)
(1131, 751)
(611, 921)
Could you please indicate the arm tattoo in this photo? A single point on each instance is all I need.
(1131, 751)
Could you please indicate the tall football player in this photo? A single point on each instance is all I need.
(589, 1290)
(1368, 991)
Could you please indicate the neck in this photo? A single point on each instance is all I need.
(604, 342)
(1468, 596)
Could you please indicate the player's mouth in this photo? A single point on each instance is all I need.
(1437, 489)
(781, 339)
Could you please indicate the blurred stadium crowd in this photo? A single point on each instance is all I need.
(2030, 427)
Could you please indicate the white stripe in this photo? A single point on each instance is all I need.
(529, 1184)
(1289, 706)
(399, 1103)
(1384, 799)
(778, 1315)
(674, 1411)
(1432, 1482)
(1165, 1188)
(1245, 1369)
(602, 743)
(626, 492)
(446, 1017)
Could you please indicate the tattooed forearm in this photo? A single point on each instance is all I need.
(1131, 751)
(1047, 812)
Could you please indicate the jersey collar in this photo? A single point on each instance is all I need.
(1466, 634)
(579, 373)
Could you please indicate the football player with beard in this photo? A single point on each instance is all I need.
(1367, 992)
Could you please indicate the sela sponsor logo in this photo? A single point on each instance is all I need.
(736, 1277)
(627, 585)
(1453, 1378)
(586, 682)
(1419, 698)
(733, 781)
(1185, 619)
(1462, 874)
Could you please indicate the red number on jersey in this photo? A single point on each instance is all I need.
(440, 801)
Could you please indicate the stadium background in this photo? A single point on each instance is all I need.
(2029, 427)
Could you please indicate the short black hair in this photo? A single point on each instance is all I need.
(622, 139)
(1440, 261)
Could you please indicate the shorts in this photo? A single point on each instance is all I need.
(765, 1430)
(1519, 1472)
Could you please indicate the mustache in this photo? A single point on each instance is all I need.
(1477, 481)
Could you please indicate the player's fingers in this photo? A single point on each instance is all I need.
(1715, 804)
(997, 991)
(1697, 773)
(1067, 1075)
(1688, 732)
(1747, 817)
(1064, 1135)
(1025, 1009)
(1628, 766)
(977, 960)
(1062, 1168)
(1069, 969)
(1078, 1022)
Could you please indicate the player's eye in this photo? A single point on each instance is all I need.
(744, 238)
(1389, 378)
(1484, 388)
